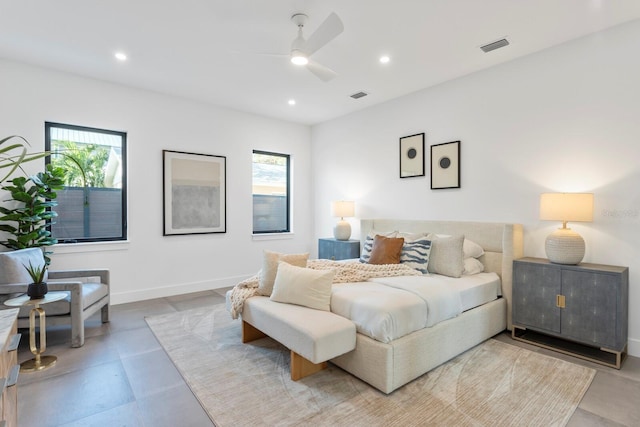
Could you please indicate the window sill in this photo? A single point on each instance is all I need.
(272, 236)
(70, 248)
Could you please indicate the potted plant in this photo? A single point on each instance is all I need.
(38, 289)
(13, 155)
(30, 213)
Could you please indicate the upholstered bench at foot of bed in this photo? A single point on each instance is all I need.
(313, 336)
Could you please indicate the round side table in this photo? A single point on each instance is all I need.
(40, 362)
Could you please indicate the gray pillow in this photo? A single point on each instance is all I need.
(12, 265)
(446, 256)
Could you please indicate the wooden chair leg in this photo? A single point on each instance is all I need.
(301, 367)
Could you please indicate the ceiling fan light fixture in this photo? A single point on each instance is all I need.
(299, 57)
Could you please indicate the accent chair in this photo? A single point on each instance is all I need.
(88, 291)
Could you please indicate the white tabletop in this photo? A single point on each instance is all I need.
(26, 299)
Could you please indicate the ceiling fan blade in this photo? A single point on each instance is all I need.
(327, 31)
(323, 73)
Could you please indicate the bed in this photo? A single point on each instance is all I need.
(390, 365)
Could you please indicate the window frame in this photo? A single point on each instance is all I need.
(287, 197)
(123, 150)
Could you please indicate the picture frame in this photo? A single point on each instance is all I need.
(445, 165)
(194, 193)
(412, 156)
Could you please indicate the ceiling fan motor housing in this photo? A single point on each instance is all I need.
(300, 19)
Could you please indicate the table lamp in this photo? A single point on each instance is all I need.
(565, 246)
(342, 209)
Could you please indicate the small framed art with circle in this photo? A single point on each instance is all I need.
(412, 156)
(445, 165)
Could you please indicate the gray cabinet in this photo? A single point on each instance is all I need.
(338, 249)
(577, 309)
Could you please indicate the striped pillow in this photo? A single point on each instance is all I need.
(415, 254)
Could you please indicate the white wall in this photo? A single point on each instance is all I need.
(151, 265)
(564, 119)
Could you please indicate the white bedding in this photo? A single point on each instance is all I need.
(388, 308)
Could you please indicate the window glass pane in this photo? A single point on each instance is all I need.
(92, 206)
(270, 192)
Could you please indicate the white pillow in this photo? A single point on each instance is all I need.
(303, 286)
(410, 237)
(472, 266)
(270, 267)
(446, 255)
(471, 249)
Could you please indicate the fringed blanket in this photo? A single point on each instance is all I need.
(344, 273)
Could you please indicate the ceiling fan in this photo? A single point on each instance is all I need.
(302, 49)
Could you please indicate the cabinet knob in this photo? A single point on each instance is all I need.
(560, 302)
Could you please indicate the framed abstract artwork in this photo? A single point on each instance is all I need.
(412, 156)
(194, 193)
(445, 165)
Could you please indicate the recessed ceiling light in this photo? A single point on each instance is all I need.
(120, 56)
(384, 59)
(292, 102)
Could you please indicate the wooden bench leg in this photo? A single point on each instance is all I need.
(250, 333)
(301, 367)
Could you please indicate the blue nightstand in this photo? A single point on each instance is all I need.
(338, 249)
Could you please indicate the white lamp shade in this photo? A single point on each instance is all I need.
(343, 208)
(566, 207)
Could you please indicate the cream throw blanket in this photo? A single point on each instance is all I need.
(344, 273)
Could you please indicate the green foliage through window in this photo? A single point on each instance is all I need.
(85, 163)
(92, 205)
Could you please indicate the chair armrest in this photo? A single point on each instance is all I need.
(65, 286)
(13, 288)
(70, 274)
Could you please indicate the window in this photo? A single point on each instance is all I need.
(92, 207)
(270, 192)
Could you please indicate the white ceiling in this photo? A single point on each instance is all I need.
(208, 50)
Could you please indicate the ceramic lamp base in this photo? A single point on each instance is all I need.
(342, 230)
(564, 246)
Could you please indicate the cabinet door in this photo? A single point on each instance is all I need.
(591, 311)
(338, 249)
(326, 249)
(535, 287)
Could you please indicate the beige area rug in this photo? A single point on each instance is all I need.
(493, 384)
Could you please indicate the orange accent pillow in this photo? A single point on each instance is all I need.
(386, 250)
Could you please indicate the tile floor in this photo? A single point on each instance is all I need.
(122, 377)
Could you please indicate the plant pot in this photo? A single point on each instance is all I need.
(37, 290)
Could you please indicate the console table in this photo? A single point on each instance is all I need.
(9, 368)
(579, 310)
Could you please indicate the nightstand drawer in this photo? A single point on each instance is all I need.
(338, 249)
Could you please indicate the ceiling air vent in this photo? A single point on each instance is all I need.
(494, 45)
(358, 95)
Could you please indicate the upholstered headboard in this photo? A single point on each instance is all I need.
(501, 242)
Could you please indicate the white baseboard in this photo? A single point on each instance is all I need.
(634, 347)
(179, 289)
